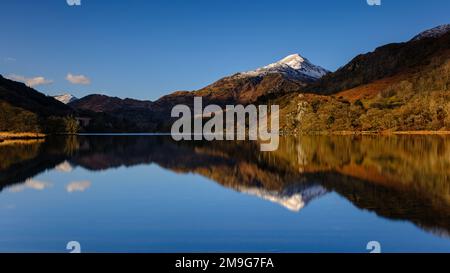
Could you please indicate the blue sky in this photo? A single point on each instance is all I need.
(145, 49)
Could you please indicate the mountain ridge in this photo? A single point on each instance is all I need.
(398, 86)
(384, 61)
(286, 75)
(104, 103)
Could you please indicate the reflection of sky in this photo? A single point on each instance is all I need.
(30, 184)
(147, 208)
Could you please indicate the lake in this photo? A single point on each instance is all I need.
(147, 193)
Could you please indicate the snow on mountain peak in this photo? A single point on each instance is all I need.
(293, 199)
(293, 66)
(433, 33)
(295, 61)
(65, 98)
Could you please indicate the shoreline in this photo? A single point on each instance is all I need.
(422, 133)
(369, 133)
(4, 136)
(387, 133)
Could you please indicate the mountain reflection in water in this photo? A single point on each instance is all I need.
(397, 177)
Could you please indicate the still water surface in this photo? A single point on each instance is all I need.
(149, 194)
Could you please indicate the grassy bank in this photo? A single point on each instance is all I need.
(421, 132)
(374, 133)
(20, 136)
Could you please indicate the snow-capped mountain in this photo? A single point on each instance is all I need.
(290, 74)
(293, 199)
(293, 66)
(433, 33)
(66, 98)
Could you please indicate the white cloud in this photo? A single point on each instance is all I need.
(79, 186)
(31, 82)
(78, 79)
(31, 184)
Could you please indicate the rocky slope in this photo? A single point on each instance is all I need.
(398, 87)
(385, 61)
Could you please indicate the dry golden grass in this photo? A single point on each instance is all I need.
(350, 133)
(20, 141)
(24, 135)
(369, 91)
(422, 133)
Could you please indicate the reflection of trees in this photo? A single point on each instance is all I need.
(393, 203)
(14, 153)
(20, 161)
(417, 163)
(397, 177)
(71, 146)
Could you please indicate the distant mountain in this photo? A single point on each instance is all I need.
(65, 98)
(102, 103)
(112, 114)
